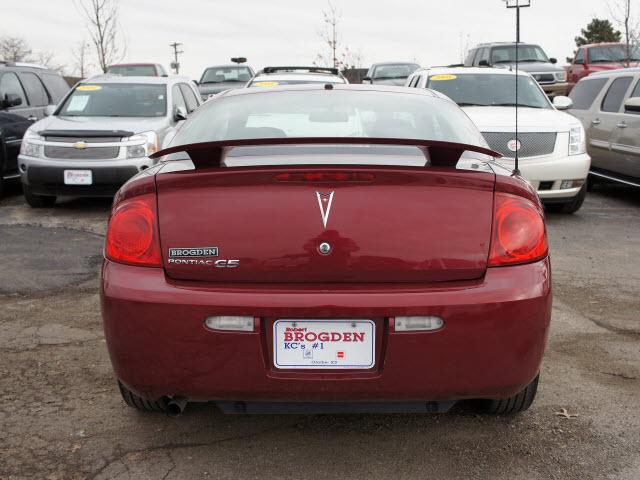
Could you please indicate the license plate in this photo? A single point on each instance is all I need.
(78, 177)
(328, 344)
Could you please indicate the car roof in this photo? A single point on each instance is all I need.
(616, 72)
(601, 44)
(312, 77)
(228, 65)
(345, 86)
(498, 44)
(472, 70)
(110, 78)
(394, 63)
(26, 65)
(142, 64)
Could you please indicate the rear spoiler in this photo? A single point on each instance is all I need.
(439, 153)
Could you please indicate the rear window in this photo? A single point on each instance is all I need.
(226, 74)
(585, 92)
(615, 94)
(134, 70)
(116, 100)
(329, 113)
(383, 72)
(265, 82)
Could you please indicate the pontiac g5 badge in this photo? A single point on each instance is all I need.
(324, 202)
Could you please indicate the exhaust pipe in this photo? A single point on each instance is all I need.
(176, 406)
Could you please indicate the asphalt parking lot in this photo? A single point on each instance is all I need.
(61, 416)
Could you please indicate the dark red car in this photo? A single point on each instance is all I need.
(325, 248)
(597, 57)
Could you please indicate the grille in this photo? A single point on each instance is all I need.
(89, 153)
(531, 144)
(81, 139)
(544, 77)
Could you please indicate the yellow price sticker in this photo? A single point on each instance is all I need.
(266, 84)
(89, 88)
(443, 77)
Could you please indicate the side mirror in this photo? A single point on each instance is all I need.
(196, 82)
(562, 103)
(366, 79)
(632, 105)
(49, 109)
(483, 63)
(10, 100)
(179, 114)
(553, 60)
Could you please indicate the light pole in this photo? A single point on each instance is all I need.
(176, 64)
(517, 4)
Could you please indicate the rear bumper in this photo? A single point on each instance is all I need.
(46, 176)
(491, 345)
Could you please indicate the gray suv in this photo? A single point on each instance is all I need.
(608, 105)
(101, 134)
(531, 59)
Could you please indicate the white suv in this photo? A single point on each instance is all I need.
(551, 144)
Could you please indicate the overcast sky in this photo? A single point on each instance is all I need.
(271, 32)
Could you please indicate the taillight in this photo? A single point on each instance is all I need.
(132, 234)
(325, 177)
(519, 235)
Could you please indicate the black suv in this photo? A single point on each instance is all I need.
(27, 94)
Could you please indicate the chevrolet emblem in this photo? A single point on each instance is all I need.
(79, 145)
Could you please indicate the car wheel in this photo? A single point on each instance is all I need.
(572, 206)
(37, 201)
(140, 403)
(516, 404)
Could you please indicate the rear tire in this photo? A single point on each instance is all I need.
(516, 404)
(140, 403)
(37, 201)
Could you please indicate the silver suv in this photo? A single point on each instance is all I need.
(101, 134)
(608, 105)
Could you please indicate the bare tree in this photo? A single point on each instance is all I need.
(14, 49)
(336, 55)
(81, 61)
(104, 30)
(621, 14)
(47, 59)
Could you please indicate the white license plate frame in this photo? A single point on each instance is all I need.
(78, 177)
(349, 352)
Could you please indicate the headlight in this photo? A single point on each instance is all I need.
(146, 144)
(29, 147)
(561, 76)
(577, 141)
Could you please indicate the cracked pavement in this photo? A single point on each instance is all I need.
(61, 416)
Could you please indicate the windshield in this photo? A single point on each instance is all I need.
(526, 53)
(484, 89)
(328, 113)
(612, 53)
(134, 70)
(226, 74)
(401, 70)
(116, 100)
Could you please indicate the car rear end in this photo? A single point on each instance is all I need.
(326, 273)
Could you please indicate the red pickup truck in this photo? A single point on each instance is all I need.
(595, 57)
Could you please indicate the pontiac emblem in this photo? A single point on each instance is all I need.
(324, 202)
(80, 145)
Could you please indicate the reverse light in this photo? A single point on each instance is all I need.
(577, 140)
(230, 323)
(518, 234)
(417, 324)
(147, 144)
(28, 147)
(132, 234)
